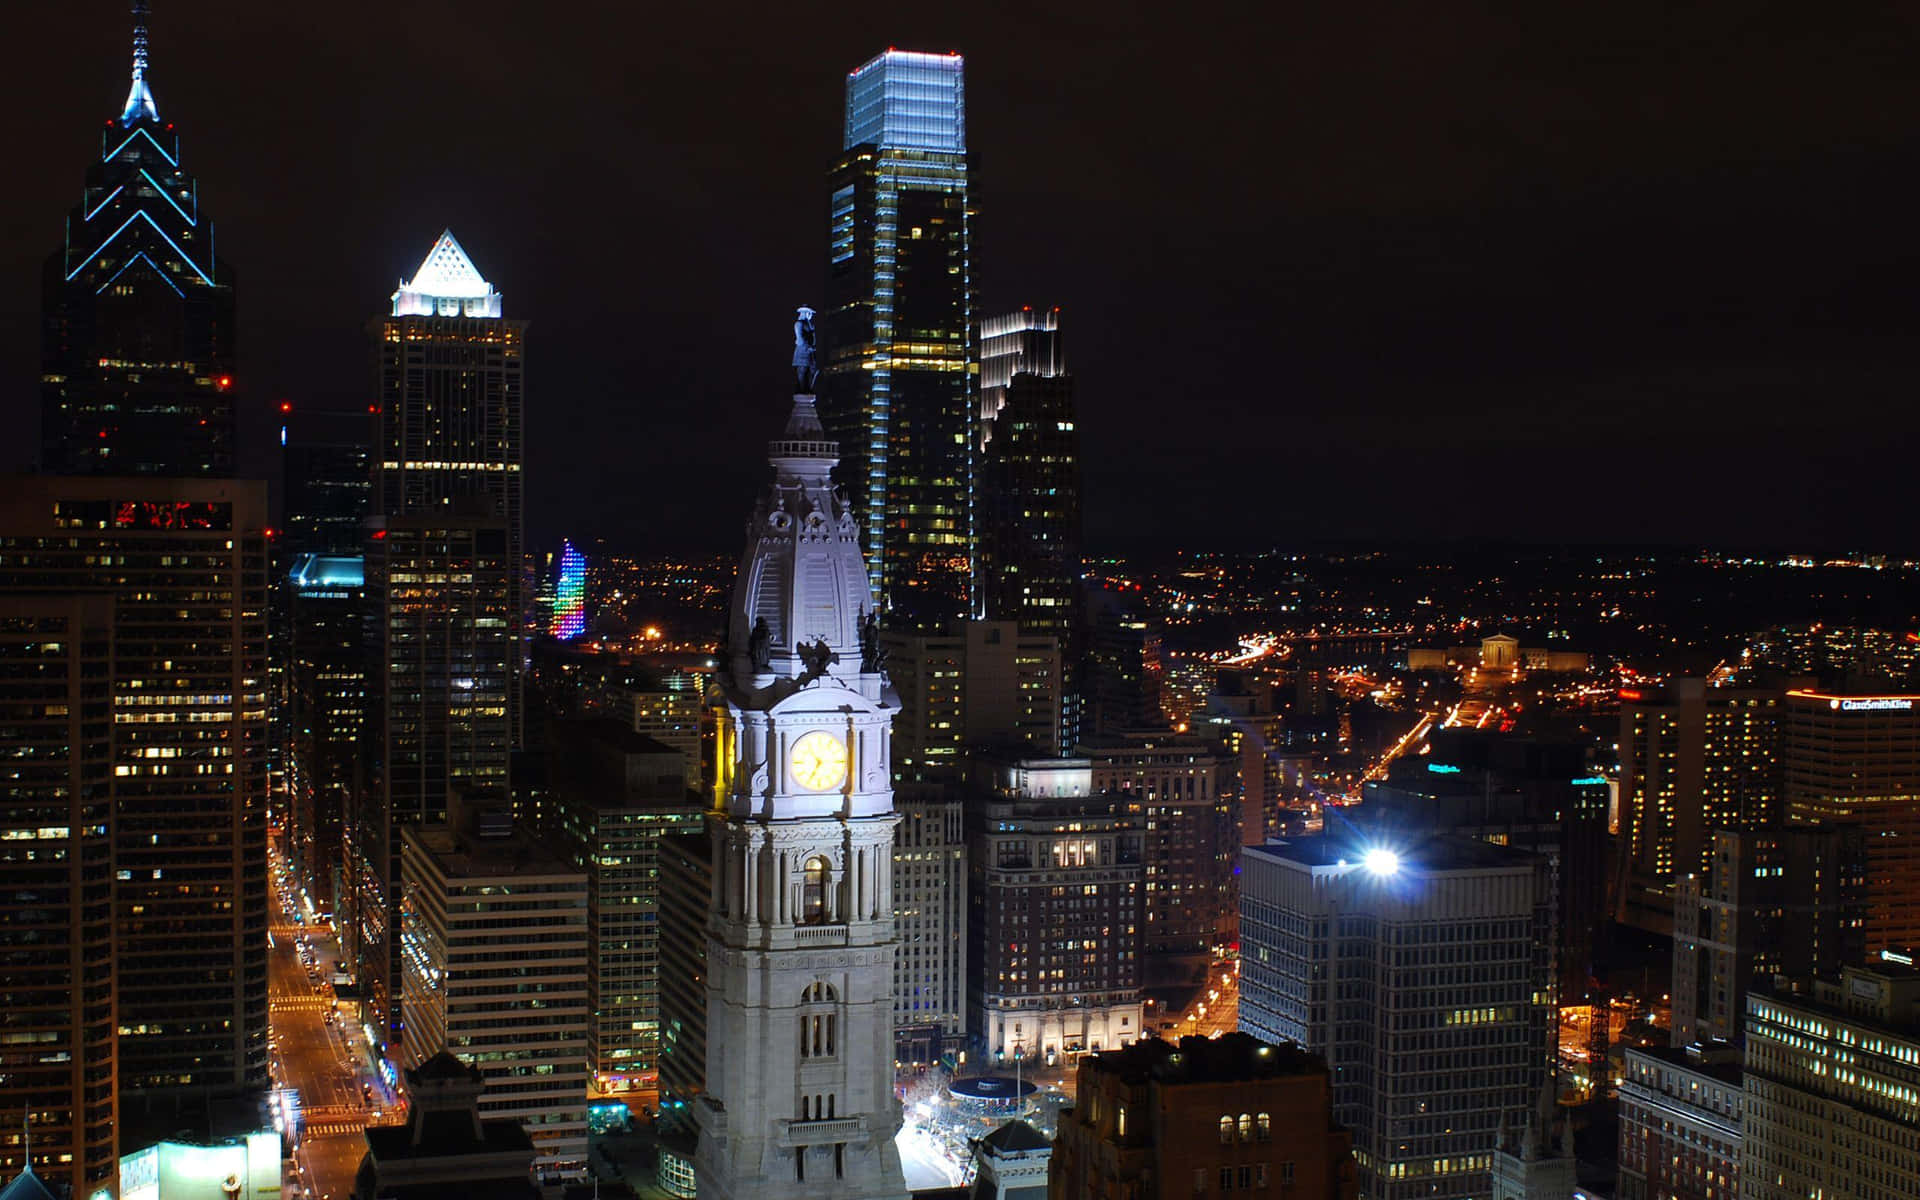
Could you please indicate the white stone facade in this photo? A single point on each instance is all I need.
(799, 1097)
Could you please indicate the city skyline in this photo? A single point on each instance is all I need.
(1536, 252)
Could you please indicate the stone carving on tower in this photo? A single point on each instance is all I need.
(799, 1100)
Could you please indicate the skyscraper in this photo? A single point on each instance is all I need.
(186, 564)
(1854, 760)
(56, 909)
(323, 600)
(137, 313)
(1029, 490)
(799, 1093)
(1422, 972)
(444, 578)
(896, 383)
(1693, 759)
(325, 477)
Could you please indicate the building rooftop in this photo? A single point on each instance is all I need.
(1231, 1058)
(1016, 1137)
(464, 855)
(1690, 1058)
(1427, 853)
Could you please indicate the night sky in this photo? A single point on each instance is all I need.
(1336, 271)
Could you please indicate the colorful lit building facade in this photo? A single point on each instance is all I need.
(569, 595)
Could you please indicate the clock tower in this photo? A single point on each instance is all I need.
(799, 1099)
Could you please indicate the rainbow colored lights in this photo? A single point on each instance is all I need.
(570, 595)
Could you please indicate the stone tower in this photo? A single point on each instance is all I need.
(799, 1099)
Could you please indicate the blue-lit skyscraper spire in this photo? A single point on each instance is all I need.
(897, 386)
(137, 350)
(139, 96)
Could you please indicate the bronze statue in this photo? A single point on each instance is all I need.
(760, 645)
(815, 659)
(805, 361)
(873, 656)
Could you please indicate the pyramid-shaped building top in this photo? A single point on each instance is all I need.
(446, 285)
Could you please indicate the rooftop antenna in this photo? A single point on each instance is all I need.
(139, 98)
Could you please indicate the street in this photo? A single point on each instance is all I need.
(311, 1056)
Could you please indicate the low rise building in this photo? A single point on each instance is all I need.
(446, 1147)
(1680, 1123)
(1011, 1163)
(1208, 1117)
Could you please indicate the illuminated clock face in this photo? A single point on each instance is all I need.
(819, 761)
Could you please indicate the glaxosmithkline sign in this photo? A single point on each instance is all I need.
(1872, 704)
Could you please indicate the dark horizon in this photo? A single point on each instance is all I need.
(1633, 276)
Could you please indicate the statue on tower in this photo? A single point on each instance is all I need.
(805, 368)
(873, 656)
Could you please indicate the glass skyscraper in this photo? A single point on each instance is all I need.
(897, 384)
(137, 313)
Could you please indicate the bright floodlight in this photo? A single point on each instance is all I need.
(1381, 861)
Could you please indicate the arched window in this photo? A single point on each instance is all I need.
(818, 992)
(1263, 1126)
(1226, 1130)
(1246, 1127)
(813, 892)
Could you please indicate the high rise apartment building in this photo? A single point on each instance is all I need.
(185, 562)
(1028, 499)
(897, 389)
(1422, 973)
(1693, 758)
(978, 684)
(445, 581)
(1854, 760)
(1189, 846)
(1787, 901)
(137, 342)
(1208, 1117)
(1057, 902)
(56, 906)
(1831, 1085)
(494, 936)
(616, 794)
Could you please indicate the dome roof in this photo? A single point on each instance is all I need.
(802, 573)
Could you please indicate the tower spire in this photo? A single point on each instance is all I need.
(139, 97)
